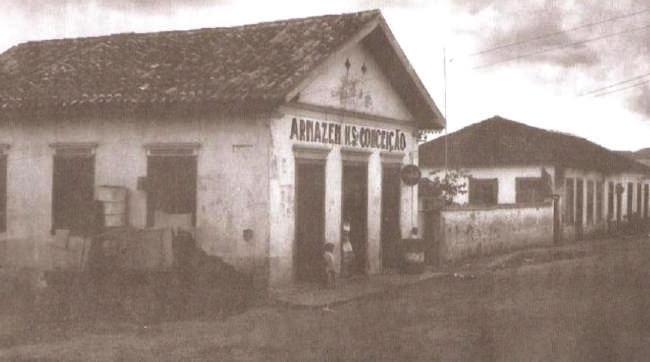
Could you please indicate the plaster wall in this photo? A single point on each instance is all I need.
(355, 89)
(232, 191)
(506, 179)
(282, 188)
(472, 231)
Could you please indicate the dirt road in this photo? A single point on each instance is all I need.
(590, 309)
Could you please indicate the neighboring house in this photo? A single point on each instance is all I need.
(510, 163)
(265, 137)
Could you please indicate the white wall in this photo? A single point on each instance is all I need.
(282, 189)
(231, 191)
(352, 89)
(477, 231)
(506, 178)
(346, 97)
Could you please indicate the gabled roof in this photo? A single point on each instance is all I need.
(261, 64)
(501, 142)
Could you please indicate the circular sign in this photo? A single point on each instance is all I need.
(411, 175)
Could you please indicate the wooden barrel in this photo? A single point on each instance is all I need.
(114, 202)
(111, 193)
(115, 220)
(412, 256)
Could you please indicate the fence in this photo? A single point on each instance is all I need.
(464, 231)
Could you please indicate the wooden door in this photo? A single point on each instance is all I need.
(390, 217)
(73, 194)
(310, 220)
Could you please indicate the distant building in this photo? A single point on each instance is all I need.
(264, 138)
(510, 163)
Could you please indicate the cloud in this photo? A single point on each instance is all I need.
(640, 100)
(35, 7)
(538, 30)
(382, 4)
(515, 31)
(157, 5)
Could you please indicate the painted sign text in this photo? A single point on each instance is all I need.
(305, 130)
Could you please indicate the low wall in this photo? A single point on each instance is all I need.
(472, 231)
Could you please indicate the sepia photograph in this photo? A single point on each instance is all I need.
(342, 180)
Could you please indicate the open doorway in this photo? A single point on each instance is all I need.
(310, 220)
(390, 225)
(73, 193)
(171, 190)
(355, 211)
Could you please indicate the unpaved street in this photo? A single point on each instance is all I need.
(591, 309)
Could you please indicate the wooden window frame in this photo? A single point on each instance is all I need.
(482, 182)
(535, 186)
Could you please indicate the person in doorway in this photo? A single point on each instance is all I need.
(330, 270)
(347, 252)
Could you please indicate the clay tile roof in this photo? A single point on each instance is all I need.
(260, 62)
(501, 142)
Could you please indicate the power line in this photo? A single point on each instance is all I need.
(628, 80)
(552, 34)
(585, 41)
(622, 89)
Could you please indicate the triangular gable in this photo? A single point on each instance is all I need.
(379, 41)
(356, 83)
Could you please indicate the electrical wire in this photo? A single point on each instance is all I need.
(581, 42)
(636, 85)
(598, 90)
(552, 34)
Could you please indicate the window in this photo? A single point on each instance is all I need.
(610, 201)
(530, 190)
(590, 202)
(483, 191)
(172, 184)
(73, 182)
(3, 193)
(599, 201)
(569, 194)
(172, 189)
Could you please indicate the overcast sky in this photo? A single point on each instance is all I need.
(540, 82)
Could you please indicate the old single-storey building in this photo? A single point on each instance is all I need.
(507, 164)
(264, 138)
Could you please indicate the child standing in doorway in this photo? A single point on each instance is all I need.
(330, 271)
(347, 253)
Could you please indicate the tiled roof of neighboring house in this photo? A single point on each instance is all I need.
(250, 64)
(502, 142)
(642, 155)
